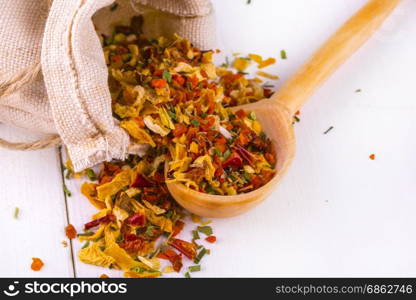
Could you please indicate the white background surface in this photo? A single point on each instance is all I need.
(336, 213)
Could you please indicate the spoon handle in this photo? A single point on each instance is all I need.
(335, 51)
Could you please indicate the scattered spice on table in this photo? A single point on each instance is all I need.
(211, 239)
(372, 156)
(70, 231)
(328, 130)
(67, 192)
(358, 91)
(283, 54)
(16, 213)
(37, 264)
(196, 268)
(64, 243)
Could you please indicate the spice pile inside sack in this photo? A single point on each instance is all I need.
(169, 95)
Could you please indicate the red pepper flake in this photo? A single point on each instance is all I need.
(96, 222)
(104, 276)
(174, 258)
(297, 113)
(193, 80)
(372, 156)
(116, 58)
(70, 231)
(245, 154)
(241, 114)
(37, 264)
(186, 248)
(138, 219)
(180, 129)
(211, 239)
(158, 83)
(178, 227)
(234, 161)
(140, 182)
(178, 80)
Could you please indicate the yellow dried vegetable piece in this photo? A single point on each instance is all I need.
(257, 127)
(205, 162)
(134, 51)
(156, 128)
(194, 147)
(180, 165)
(125, 111)
(210, 70)
(165, 118)
(241, 64)
(183, 67)
(164, 223)
(152, 263)
(131, 192)
(89, 191)
(256, 58)
(120, 215)
(196, 218)
(109, 189)
(267, 62)
(168, 269)
(156, 209)
(123, 260)
(110, 235)
(230, 190)
(96, 235)
(180, 151)
(261, 163)
(207, 57)
(103, 212)
(139, 134)
(94, 256)
(267, 75)
(180, 177)
(131, 274)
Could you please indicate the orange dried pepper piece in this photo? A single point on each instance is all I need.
(178, 227)
(186, 248)
(241, 114)
(139, 120)
(372, 156)
(211, 239)
(174, 258)
(158, 83)
(178, 79)
(104, 276)
(37, 264)
(70, 231)
(180, 129)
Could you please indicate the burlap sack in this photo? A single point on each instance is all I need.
(53, 77)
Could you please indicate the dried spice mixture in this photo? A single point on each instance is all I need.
(170, 96)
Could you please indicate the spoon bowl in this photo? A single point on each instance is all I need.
(278, 127)
(276, 114)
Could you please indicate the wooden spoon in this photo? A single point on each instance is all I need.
(276, 113)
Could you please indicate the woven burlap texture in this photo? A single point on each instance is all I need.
(53, 77)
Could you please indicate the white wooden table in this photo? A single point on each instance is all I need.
(336, 213)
